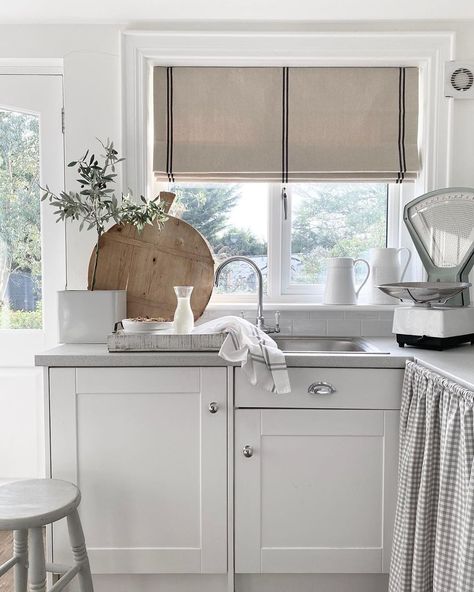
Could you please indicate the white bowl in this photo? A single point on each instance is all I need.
(145, 326)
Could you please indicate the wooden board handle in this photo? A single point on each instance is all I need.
(168, 197)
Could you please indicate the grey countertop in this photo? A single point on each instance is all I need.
(457, 363)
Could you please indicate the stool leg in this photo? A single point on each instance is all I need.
(79, 552)
(37, 561)
(20, 549)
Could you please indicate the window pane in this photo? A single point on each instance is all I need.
(334, 220)
(20, 245)
(234, 220)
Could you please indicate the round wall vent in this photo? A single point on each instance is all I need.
(462, 79)
(459, 80)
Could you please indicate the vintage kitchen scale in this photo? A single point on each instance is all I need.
(441, 225)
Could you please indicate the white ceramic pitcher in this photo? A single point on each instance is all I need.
(385, 268)
(340, 282)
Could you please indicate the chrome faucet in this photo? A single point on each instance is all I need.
(260, 322)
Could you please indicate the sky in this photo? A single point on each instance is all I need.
(251, 211)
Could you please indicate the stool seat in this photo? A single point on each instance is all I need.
(32, 503)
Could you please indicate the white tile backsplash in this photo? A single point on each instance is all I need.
(309, 327)
(326, 315)
(376, 328)
(344, 328)
(386, 315)
(338, 323)
(361, 314)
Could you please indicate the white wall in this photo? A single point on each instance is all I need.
(92, 101)
(282, 10)
(92, 92)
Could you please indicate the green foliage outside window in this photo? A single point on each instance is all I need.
(20, 232)
(335, 220)
(208, 209)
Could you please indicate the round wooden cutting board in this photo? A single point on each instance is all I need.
(150, 263)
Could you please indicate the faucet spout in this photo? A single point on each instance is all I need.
(260, 320)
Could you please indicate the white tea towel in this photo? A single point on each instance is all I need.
(261, 360)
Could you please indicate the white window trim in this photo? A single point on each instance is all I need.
(426, 50)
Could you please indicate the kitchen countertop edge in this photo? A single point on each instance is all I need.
(456, 364)
(90, 355)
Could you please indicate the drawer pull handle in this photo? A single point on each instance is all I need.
(321, 388)
(213, 407)
(247, 451)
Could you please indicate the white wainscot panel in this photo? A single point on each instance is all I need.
(21, 423)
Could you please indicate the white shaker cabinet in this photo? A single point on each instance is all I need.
(149, 454)
(315, 487)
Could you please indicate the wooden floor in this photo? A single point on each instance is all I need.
(6, 547)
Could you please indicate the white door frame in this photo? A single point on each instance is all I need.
(17, 346)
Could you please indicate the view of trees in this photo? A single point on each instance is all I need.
(328, 220)
(334, 220)
(20, 242)
(208, 209)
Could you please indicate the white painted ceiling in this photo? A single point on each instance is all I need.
(136, 11)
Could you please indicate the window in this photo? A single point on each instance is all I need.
(234, 220)
(20, 233)
(331, 220)
(427, 52)
(290, 242)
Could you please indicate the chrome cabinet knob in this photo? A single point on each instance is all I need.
(247, 451)
(213, 407)
(321, 388)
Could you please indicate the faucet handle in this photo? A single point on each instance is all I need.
(242, 314)
(277, 321)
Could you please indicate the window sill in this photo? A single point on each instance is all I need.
(301, 306)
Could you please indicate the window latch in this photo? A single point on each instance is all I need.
(284, 197)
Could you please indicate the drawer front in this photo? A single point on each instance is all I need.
(332, 388)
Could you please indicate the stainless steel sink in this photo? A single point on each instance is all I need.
(325, 345)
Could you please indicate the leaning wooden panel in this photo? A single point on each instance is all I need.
(150, 263)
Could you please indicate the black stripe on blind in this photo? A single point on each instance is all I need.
(284, 136)
(169, 124)
(401, 126)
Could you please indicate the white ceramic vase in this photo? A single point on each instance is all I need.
(87, 316)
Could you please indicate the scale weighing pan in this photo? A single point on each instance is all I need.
(424, 293)
(441, 225)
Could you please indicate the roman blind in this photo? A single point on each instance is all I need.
(285, 124)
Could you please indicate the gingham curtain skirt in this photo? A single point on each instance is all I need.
(433, 545)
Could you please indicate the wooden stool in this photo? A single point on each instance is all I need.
(25, 507)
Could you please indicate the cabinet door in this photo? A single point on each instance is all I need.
(317, 494)
(150, 460)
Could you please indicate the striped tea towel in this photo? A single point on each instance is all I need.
(259, 356)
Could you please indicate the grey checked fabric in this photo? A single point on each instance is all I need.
(261, 360)
(433, 545)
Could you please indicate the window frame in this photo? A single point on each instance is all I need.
(279, 289)
(426, 50)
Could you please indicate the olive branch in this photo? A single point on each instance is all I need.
(95, 205)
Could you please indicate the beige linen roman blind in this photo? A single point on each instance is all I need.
(285, 124)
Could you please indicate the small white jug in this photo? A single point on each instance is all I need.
(340, 283)
(385, 269)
